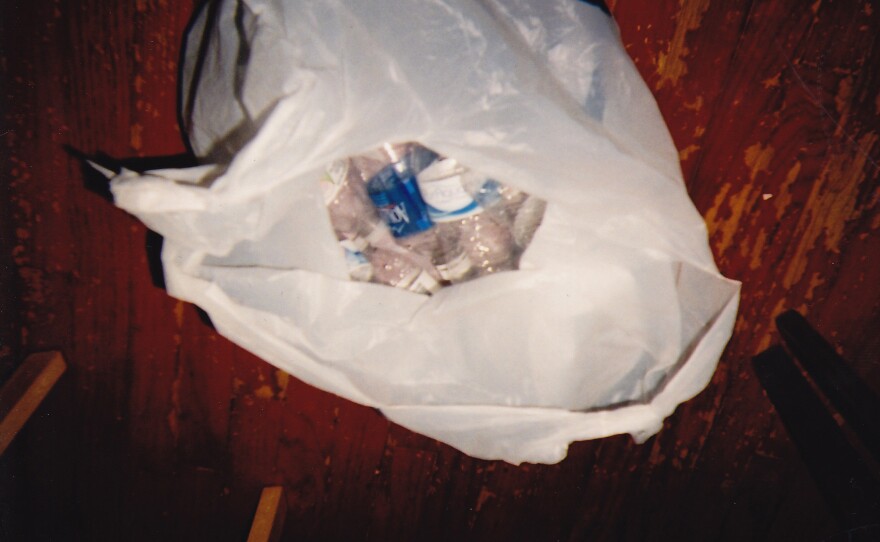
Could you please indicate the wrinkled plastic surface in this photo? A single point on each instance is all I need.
(617, 313)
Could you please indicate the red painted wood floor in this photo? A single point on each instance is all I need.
(162, 430)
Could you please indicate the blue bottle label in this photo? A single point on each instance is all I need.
(399, 203)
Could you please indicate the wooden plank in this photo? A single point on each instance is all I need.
(269, 519)
(24, 392)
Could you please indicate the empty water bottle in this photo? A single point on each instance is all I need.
(461, 220)
(412, 219)
(351, 214)
(527, 220)
(402, 270)
(501, 200)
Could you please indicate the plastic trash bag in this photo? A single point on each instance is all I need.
(617, 312)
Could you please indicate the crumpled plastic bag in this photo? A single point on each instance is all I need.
(617, 313)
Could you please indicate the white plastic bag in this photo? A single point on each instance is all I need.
(617, 313)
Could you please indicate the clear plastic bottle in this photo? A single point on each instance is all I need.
(501, 200)
(528, 219)
(446, 250)
(521, 213)
(396, 182)
(417, 157)
(488, 243)
(359, 266)
(351, 214)
(421, 220)
(401, 270)
(399, 205)
(404, 221)
(462, 223)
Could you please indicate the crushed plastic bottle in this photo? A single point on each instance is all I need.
(463, 222)
(501, 200)
(438, 243)
(412, 219)
(528, 220)
(351, 214)
(369, 247)
(399, 204)
(402, 270)
(359, 266)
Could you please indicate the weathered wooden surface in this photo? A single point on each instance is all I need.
(162, 430)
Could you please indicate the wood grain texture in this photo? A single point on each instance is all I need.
(169, 432)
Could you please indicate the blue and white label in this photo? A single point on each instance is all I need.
(399, 204)
(444, 194)
(359, 267)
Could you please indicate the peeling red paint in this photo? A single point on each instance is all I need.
(670, 64)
